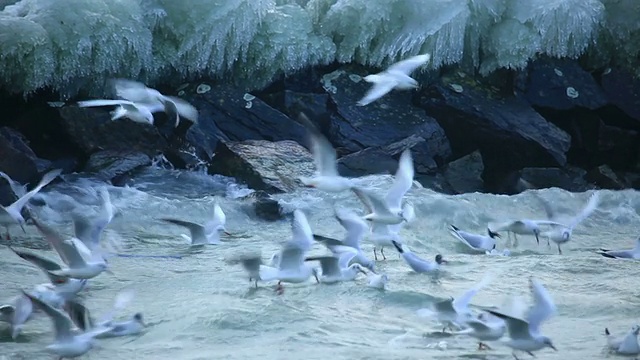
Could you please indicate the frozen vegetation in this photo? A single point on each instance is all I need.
(70, 45)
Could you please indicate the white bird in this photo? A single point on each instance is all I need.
(141, 94)
(81, 262)
(378, 281)
(326, 177)
(378, 210)
(454, 312)
(88, 229)
(626, 345)
(12, 215)
(81, 316)
(64, 287)
(523, 227)
(67, 344)
(337, 269)
(476, 242)
(562, 234)
(356, 230)
(395, 76)
(140, 113)
(292, 267)
(633, 254)
(416, 263)
(16, 314)
(199, 233)
(485, 327)
(525, 334)
(18, 189)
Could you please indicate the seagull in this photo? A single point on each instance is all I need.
(379, 211)
(199, 235)
(336, 269)
(81, 316)
(475, 242)
(292, 267)
(485, 327)
(141, 94)
(326, 177)
(562, 234)
(67, 344)
(626, 345)
(356, 230)
(378, 281)
(417, 264)
(82, 263)
(88, 230)
(523, 227)
(395, 76)
(17, 313)
(64, 287)
(525, 334)
(623, 254)
(455, 312)
(140, 113)
(11, 214)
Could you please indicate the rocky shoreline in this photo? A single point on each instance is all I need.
(553, 124)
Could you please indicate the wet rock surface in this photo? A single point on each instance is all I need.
(552, 124)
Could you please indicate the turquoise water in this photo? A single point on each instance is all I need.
(201, 306)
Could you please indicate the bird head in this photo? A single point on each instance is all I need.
(360, 268)
(492, 234)
(548, 343)
(138, 318)
(440, 260)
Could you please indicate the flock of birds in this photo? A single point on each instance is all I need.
(83, 258)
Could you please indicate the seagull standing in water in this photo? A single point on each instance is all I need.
(292, 267)
(67, 344)
(626, 345)
(525, 334)
(12, 214)
(633, 254)
(395, 76)
(326, 177)
(416, 263)
(476, 242)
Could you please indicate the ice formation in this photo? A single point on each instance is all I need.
(73, 45)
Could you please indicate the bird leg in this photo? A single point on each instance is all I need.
(515, 356)
(279, 288)
(559, 250)
(375, 254)
(382, 252)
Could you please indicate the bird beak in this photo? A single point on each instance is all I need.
(108, 271)
(364, 272)
(227, 233)
(443, 261)
(553, 347)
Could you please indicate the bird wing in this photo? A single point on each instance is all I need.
(61, 322)
(371, 201)
(518, 328)
(324, 155)
(135, 91)
(18, 189)
(198, 236)
(355, 226)
(291, 258)
(383, 85)
(105, 102)
(402, 182)
(22, 201)
(461, 303)
(345, 257)
(55, 240)
(591, 206)
(330, 265)
(543, 307)
(219, 215)
(184, 109)
(79, 315)
(302, 235)
(407, 66)
(43, 263)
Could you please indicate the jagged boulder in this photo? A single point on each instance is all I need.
(464, 175)
(508, 132)
(559, 84)
(263, 165)
(383, 122)
(623, 92)
(569, 178)
(108, 165)
(17, 159)
(91, 129)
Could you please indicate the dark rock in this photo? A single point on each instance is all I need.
(383, 122)
(229, 114)
(508, 132)
(559, 84)
(464, 175)
(623, 92)
(17, 160)
(504, 182)
(604, 177)
(617, 147)
(263, 165)
(110, 164)
(384, 159)
(91, 129)
(264, 207)
(568, 178)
